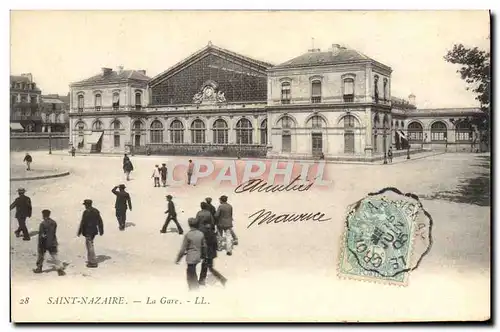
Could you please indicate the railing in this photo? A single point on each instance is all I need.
(35, 117)
(316, 100)
(348, 98)
(39, 134)
(285, 101)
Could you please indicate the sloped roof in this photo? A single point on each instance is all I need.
(114, 77)
(317, 58)
(209, 49)
(52, 101)
(17, 78)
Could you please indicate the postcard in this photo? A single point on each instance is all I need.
(250, 166)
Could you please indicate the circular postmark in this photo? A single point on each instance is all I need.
(387, 235)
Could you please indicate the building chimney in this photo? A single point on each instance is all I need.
(106, 71)
(29, 76)
(142, 71)
(411, 99)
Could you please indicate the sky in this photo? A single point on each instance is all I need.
(60, 47)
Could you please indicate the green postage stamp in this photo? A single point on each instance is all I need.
(387, 234)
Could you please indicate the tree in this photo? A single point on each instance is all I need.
(475, 70)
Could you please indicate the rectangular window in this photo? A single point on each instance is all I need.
(316, 92)
(286, 142)
(263, 136)
(177, 136)
(117, 140)
(286, 94)
(415, 136)
(463, 136)
(317, 143)
(198, 136)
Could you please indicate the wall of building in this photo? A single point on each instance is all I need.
(20, 142)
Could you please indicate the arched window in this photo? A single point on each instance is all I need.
(463, 131)
(80, 103)
(286, 122)
(397, 124)
(286, 94)
(221, 130)
(316, 122)
(376, 126)
(116, 133)
(349, 90)
(97, 126)
(415, 132)
(156, 132)
(81, 134)
(138, 100)
(349, 121)
(198, 132)
(116, 101)
(263, 132)
(386, 122)
(316, 92)
(176, 132)
(244, 132)
(438, 131)
(97, 102)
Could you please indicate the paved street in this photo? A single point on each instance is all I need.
(277, 270)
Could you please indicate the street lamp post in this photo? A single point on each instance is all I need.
(408, 151)
(385, 147)
(50, 143)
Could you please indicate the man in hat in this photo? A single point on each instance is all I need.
(204, 216)
(194, 247)
(127, 166)
(122, 199)
(190, 171)
(163, 174)
(156, 176)
(28, 161)
(171, 215)
(47, 241)
(23, 210)
(224, 217)
(90, 226)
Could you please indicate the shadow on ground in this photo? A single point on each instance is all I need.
(129, 224)
(474, 190)
(102, 258)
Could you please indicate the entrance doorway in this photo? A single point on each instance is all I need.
(137, 140)
(317, 144)
(348, 142)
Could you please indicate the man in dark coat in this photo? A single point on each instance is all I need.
(171, 215)
(163, 174)
(224, 217)
(28, 160)
(204, 216)
(127, 166)
(211, 253)
(90, 226)
(47, 241)
(122, 199)
(23, 211)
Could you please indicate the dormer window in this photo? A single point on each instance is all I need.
(286, 94)
(316, 92)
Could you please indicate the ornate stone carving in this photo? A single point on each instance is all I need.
(209, 93)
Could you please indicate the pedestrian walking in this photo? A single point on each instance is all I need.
(171, 215)
(23, 211)
(122, 199)
(190, 171)
(28, 160)
(127, 166)
(90, 226)
(204, 216)
(47, 241)
(194, 248)
(156, 176)
(218, 231)
(224, 217)
(211, 208)
(389, 154)
(73, 150)
(211, 253)
(163, 174)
